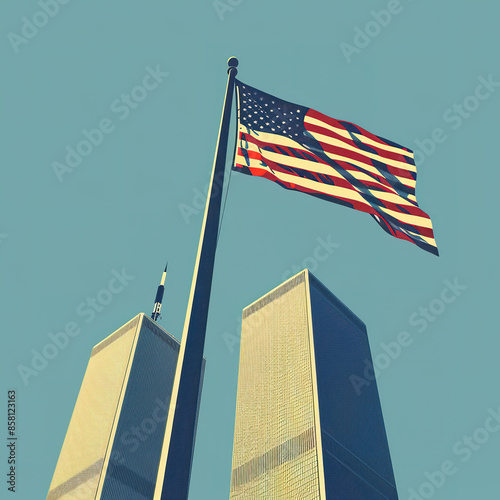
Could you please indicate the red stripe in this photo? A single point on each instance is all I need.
(427, 232)
(384, 154)
(347, 166)
(378, 180)
(399, 172)
(413, 210)
(278, 149)
(338, 181)
(335, 123)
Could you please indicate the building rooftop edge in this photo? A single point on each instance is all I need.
(319, 286)
(104, 342)
(295, 277)
(119, 328)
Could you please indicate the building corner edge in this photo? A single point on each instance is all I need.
(317, 422)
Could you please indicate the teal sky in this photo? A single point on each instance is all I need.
(412, 79)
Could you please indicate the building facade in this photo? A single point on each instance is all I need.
(302, 431)
(113, 444)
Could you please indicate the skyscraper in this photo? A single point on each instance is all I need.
(302, 431)
(113, 443)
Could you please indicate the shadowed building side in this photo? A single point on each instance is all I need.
(301, 429)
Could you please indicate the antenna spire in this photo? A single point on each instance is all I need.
(159, 296)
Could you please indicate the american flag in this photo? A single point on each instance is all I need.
(304, 150)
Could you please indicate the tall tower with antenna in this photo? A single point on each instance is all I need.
(113, 444)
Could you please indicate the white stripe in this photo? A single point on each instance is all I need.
(361, 137)
(294, 179)
(340, 144)
(311, 166)
(406, 182)
(336, 191)
(281, 140)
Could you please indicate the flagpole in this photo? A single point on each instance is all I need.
(178, 444)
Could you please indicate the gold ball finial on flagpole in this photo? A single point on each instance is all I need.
(232, 63)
